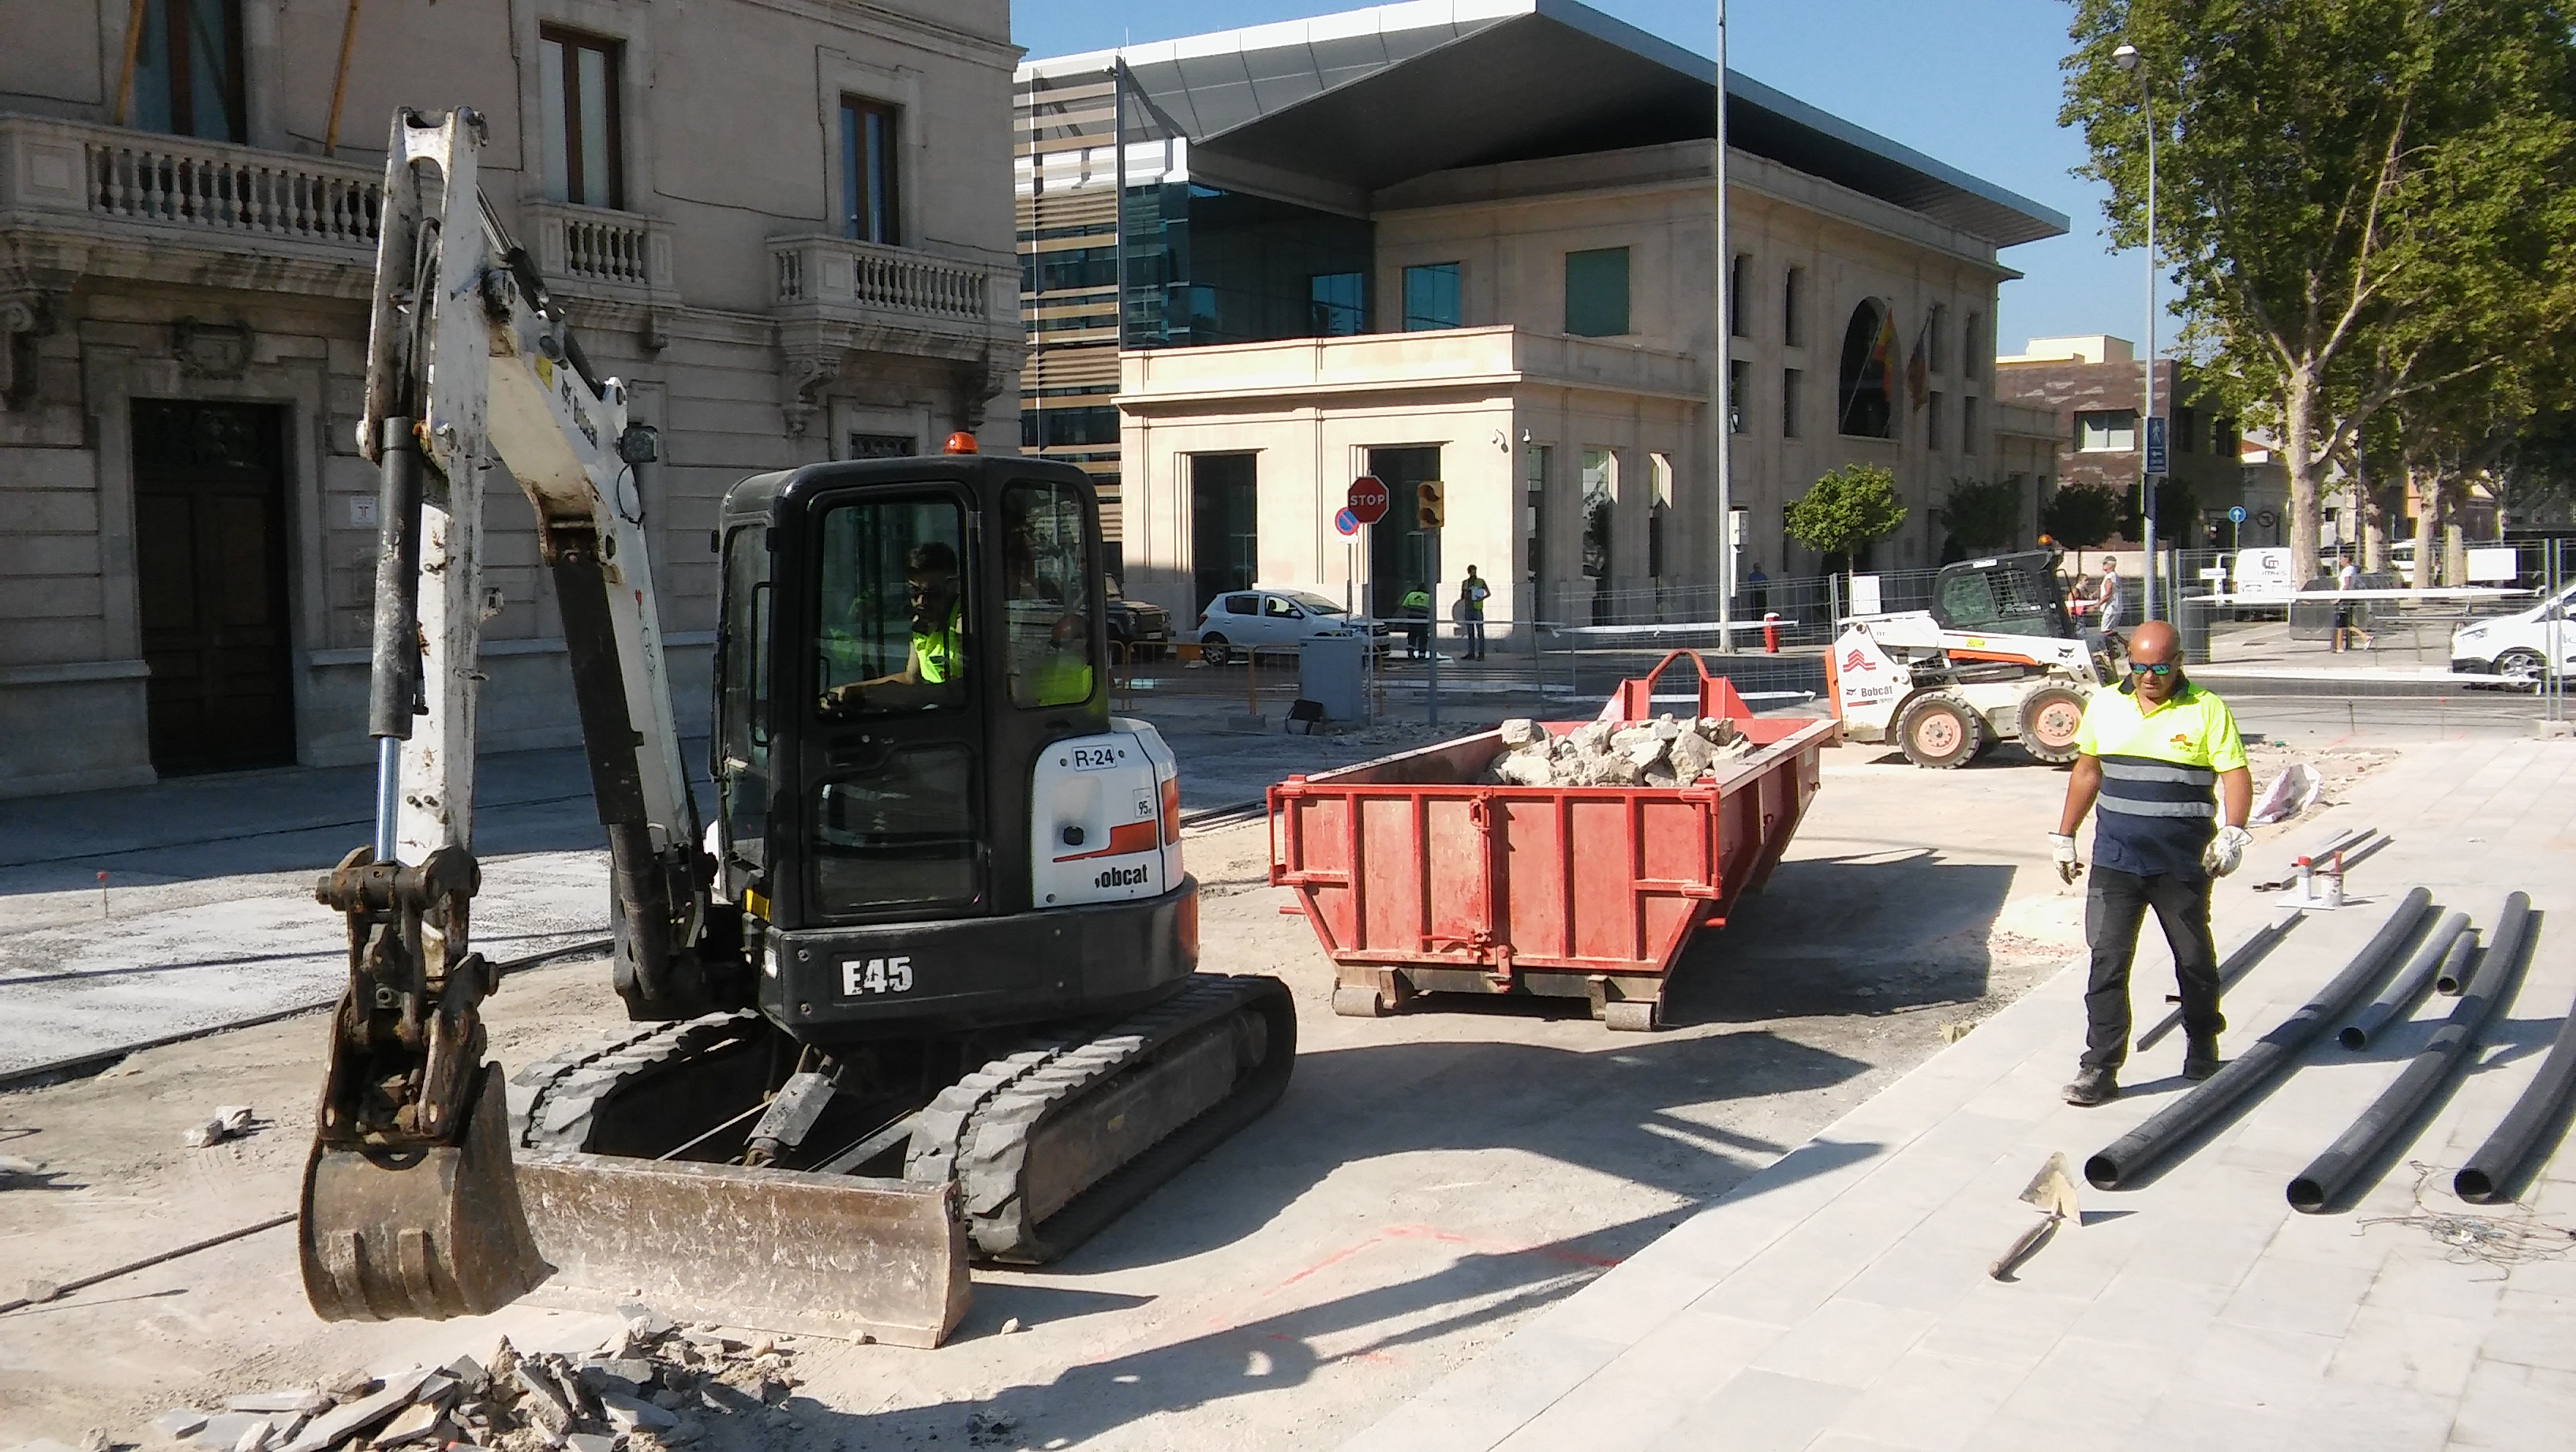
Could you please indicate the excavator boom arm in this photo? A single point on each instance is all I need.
(410, 1204)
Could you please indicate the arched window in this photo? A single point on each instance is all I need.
(1869, 351)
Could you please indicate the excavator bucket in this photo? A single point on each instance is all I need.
(774, 1250)
(433, 1232)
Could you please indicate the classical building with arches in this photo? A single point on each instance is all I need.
(1475, 242)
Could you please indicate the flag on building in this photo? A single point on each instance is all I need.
(1918, 368)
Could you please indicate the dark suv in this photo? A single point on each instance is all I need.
(1139, 631)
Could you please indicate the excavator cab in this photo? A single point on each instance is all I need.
(916, 770)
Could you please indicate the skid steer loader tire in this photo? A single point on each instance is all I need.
(1939, 730)
(2050, 719)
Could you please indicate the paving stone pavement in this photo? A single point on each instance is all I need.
(1839, 1299)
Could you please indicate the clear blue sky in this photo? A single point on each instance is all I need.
(1971, 82)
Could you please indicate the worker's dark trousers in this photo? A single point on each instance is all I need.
(2114, 906)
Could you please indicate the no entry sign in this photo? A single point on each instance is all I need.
(1368, 499)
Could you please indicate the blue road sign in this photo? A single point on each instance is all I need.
(2156, 444)
(1346, 522)
(2236, 514)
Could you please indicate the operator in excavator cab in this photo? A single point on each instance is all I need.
(935, 662)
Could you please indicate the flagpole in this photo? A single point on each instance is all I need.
(1725, 367)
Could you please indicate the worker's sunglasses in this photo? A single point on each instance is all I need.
(2158, 668)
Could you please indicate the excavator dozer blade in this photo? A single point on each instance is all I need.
(433, 1233)
(772, 1250)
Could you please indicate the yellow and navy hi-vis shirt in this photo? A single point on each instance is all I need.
(2160, 767)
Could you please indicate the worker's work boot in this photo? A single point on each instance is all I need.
(2200, 1059)
(2093, 1086)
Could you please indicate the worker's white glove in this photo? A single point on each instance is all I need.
(2226, 850)
(2061, 850)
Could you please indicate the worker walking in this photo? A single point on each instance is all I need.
(2161, 759)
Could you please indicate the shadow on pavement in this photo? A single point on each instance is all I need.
(1267, 1352)
(1619, 1110)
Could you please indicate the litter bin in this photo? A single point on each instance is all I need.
(1329, 673)
(2191, 622)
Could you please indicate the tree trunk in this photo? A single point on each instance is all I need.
(2428, 490)
(2298, 443)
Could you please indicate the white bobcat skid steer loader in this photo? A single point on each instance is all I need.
(1995, 659)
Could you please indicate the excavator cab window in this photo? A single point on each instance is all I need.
(744, 695)
(1046, 562)
(894, 824)
(891, 622)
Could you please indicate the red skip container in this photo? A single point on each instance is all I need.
(1418, 879)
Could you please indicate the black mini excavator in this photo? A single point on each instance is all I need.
(924, 990)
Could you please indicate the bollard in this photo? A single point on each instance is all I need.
(1771, 632)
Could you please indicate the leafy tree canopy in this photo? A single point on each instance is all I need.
(1981, 514)
(2360, 199)
(2080, 516)
(1846, 509)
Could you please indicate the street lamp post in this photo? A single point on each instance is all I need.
(1726, 402)
(2127, 58)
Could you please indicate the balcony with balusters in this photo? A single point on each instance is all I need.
(84, 199)
(867, 297)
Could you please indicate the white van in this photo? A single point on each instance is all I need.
(2516, 645)
(2262, 574)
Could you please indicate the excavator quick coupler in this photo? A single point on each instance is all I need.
(410, 1205)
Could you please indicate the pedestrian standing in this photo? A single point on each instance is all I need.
(1470, 612)
(1415, 610)
(2347, 611)
(2162, 768)
(1760, 584)
(2109, 599)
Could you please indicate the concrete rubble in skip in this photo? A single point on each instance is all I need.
(649, 1387)
(1659, 753)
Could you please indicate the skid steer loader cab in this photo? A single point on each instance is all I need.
(2015, 594)
(926, 811)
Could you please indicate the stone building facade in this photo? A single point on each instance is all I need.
(784, 223)
(2089, 386)
(1476, 242)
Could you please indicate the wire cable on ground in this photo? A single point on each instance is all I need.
(40, 1292)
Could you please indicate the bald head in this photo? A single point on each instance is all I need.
(2155, 661)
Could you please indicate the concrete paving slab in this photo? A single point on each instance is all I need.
(2196, 1309)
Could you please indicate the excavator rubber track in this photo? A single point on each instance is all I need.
(1049, 1145)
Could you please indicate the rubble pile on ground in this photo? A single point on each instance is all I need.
(651, 1386)
(1662, 752)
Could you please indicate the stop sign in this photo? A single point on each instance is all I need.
(1368, 499)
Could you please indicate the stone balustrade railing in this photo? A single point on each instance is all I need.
(176, 182)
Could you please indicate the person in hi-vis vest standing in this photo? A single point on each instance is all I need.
(2162, 768)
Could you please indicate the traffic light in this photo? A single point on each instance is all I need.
(1428, 512)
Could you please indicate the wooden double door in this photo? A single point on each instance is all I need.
(210, 543)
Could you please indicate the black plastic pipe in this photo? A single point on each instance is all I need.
(2454, 974)
(2237, 964)
(2327, 1176)
(2401, 991)
(2134, 1153)
(2490, 1173)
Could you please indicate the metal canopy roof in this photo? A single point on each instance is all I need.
(1370, 98)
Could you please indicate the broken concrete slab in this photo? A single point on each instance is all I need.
(330, 1428)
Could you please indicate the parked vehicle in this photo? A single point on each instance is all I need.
(2517, 647)
(1137, 629)
(1265, 618)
